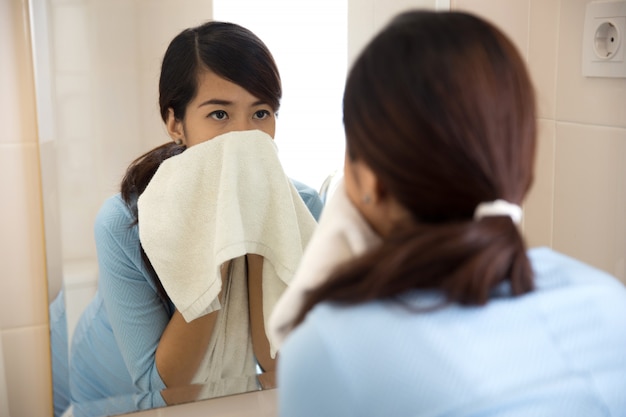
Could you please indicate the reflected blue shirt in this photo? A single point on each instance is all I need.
(557, 351)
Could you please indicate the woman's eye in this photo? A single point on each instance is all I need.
(261, 114)
(218, 115)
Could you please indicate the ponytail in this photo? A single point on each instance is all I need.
(135, 181)
(465, 261)
(141, 170)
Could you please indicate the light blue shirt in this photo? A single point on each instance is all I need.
(557, 351)
(112, 361)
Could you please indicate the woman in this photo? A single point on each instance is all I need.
(131, 342)
(450, 314)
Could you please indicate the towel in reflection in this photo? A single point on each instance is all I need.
(216, 202)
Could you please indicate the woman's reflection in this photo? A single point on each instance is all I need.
(132, 341)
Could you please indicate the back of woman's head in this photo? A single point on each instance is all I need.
(228, 50)
(441, 107)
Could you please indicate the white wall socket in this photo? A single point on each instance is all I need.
(604, 39)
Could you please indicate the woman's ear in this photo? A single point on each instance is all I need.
(373, 188)
(175, 127)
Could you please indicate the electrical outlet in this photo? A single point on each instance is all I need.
(604, 39)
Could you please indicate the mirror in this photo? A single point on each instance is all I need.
(97, 66)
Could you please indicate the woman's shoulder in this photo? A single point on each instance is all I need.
(114, 216)
(555, 269)
(114, 206)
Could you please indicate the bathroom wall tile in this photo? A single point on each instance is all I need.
(17, 100)
(117, 138)
(71, 36)
(367, 17)
(77, 221)
(77, 297)
(542, 53)
(538, 207)
(590, 195)
(73, 107)
(511, 16)
(27, 366)
(385, 10)
(114, 33)
(161, 20)
(152, 131)
(583, 99)
(22, 290)
(360, 26)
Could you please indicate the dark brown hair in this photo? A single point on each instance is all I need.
(441, 107)
(227, 49)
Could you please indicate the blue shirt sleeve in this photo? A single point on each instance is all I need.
(310, 197)
(311, 382)
(137, 315)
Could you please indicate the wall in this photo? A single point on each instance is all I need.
(25, 379)
(578, 202)
(577, 205)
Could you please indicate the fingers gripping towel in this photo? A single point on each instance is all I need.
(341, 235)
(215, 202)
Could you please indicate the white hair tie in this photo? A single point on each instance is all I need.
(498, 208)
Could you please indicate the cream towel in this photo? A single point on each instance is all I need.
(341, 235)
(215, 202)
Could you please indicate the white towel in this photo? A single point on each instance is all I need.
(341, 235)
(215, 202)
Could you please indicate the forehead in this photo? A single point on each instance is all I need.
(212, 86)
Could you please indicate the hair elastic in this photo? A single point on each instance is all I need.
(498, 208)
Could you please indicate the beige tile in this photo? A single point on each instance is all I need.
(360, 26)
(73, 103)
(542, 53)
(77, 220)
(17, 100)
(582, 99)
(23, 291)
(511, 16)
(385, 10)
(538, 207)
(590, 195)
(115, 144)
(158, 22)
(151, 127)
(27, 366)
(72, 38)
(115, 50)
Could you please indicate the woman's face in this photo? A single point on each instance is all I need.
(220, 106)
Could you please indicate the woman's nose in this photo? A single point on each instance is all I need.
(244, 124)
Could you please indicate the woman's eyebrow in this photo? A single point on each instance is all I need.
(221, 102)
(216, 101)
